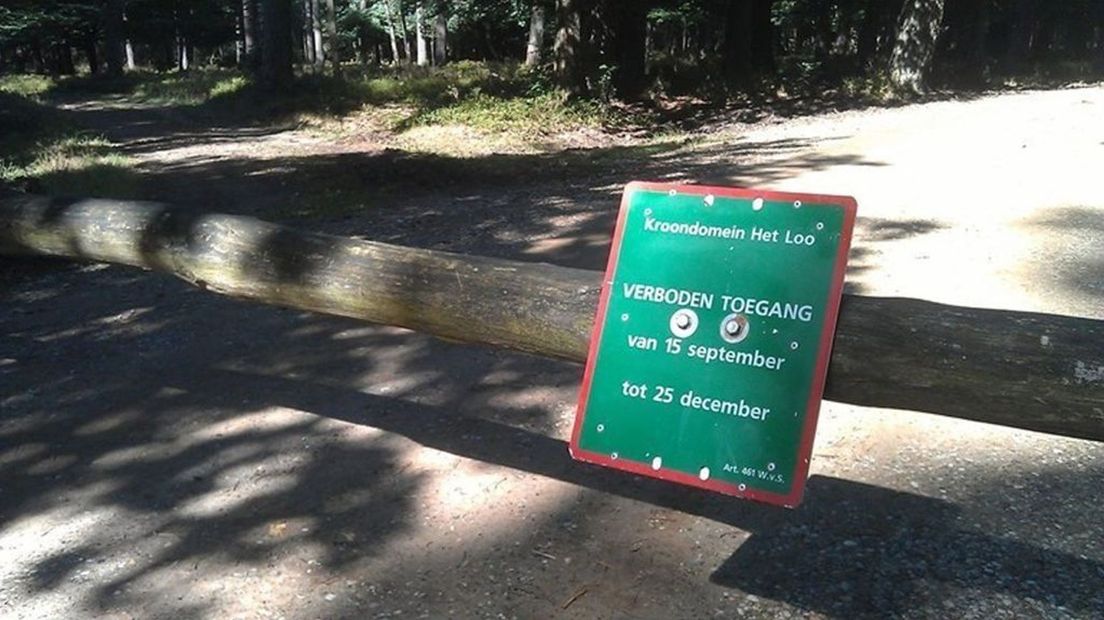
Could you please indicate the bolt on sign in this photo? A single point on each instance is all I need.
(711, 345)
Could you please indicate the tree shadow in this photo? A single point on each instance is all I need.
(200, 459)
(857, 551)
(212, 433)
(1073, 268)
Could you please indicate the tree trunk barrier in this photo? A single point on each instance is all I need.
(1033, 371)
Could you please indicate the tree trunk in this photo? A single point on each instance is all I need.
(762, 37)
(239, 44)
(114, 52)
(405, 35)
(737, 59)
(183, 57)
(276, 43)
(127, 45)
(64, 54)
(569, 48)
(984, 365)
(318, 54)
(395, 58)
(440, 34)
(307, 32)
(333, 45)
(917, 35)
(1098, 36)
(535, 45)
(1019, 35)
(89, 51)
(419, 33)
(979, 57)
(250, 31)
(629, 45)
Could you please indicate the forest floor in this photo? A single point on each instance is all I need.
(169, 453)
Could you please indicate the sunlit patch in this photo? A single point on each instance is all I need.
(21, 452)
(107, 423)
(264, 421)
(228, 495)
(123, 457)
(51, 465)
(465, 498)
(280, 530)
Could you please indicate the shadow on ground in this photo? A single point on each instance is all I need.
(155, 438)
(190, 432)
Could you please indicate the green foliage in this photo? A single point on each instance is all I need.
(27, 86)
(522, 116)
(42, 152)
(188, 88)
(45, 22)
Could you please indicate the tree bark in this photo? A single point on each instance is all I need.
(419, 33)
(440, 34)
(332, 44)
(762, 37)
(405, 35)
(395, 58)
(63, 55)
(534, 47)
(1020, 34)
(917, 34)
(979, 57)
(128, 47)
(569, 48)
(736, 57)
(114, 53)
(318, 53)
(630, 36)
(183, 58)
(89, 51)
(276, 46)
(1027, 370)
(250, 31)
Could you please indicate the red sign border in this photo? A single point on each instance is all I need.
(816, 393)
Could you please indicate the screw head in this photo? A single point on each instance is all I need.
(734, 328)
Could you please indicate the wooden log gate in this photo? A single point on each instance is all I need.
(1033, 371)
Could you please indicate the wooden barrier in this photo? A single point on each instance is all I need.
(1034, 371)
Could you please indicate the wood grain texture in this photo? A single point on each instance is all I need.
(1027, 370)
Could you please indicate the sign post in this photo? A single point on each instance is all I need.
(713, 335)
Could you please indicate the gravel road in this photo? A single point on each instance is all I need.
(166, 453)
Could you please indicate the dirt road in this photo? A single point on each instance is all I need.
(168, 453)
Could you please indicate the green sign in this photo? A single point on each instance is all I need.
(711, 344)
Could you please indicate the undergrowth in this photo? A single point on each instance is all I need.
(42, 152)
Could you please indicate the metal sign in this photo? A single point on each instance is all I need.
(711, 344)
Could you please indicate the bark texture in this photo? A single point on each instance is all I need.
(419, 34)
(440, 35)
(917, 34)
(276, 46)
(250, 20)
(569, 48)
(535, 44)
(114, 37)
(332, 46)
(1027, 370)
